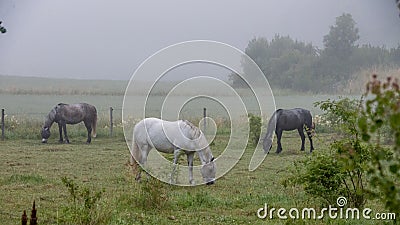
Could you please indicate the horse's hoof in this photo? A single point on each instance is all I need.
(210, 182)
(67, 142)
(61, 141)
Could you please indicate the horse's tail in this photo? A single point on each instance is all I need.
(94, 123)
(267, 143)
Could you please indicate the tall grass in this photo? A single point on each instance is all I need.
(357, 82)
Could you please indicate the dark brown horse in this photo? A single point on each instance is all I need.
(289, 119)
(64, 114)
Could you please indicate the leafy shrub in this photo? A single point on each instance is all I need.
(382, 114)
(255, 128)
(320, 177)
(83, 207)
(151, 194)
(342, 172)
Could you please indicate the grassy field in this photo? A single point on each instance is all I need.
(34, 171)
(93, 184)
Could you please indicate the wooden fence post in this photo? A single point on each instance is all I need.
(111, 121)
(2, 124)
(204, 119)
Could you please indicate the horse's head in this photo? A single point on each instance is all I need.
(208, 172)
(313, 127)
(312, 131)
(45, 134)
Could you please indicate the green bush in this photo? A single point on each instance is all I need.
(342, 172)
(151, 194)
(255, 128)
(83, 207)
(382, 115)
(320, 177)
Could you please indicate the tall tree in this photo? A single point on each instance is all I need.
(282, 60)
(340, 42)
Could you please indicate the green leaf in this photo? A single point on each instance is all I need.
(366, 137)
(362, 123)
(394, 168)
(379, 123)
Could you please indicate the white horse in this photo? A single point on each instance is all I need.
(172, 137)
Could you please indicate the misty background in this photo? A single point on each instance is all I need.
(109, 39)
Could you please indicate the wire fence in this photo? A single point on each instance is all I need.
(109, 117)
(9, 120)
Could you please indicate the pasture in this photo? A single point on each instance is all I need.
(93, 184)
(33, 171)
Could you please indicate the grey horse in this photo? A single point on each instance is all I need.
(289, 119)
(64, 114)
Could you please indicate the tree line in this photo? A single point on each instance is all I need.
(300, 66)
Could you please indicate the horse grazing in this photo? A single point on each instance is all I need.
(289, 119)
(64, 114)
(172, 137)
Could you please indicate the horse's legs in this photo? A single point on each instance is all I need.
(60, 131)
(303, 138)
(88, 126)
(134, 159)
(176, 157)
(144, 152)
(309, 134)
(190, 156)
(65, 133)
(279, 136)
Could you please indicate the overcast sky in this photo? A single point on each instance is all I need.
(101, 39)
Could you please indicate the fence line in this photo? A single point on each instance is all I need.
(3, 122)
(44, 114)
(110, 111)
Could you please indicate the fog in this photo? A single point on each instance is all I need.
(100, 39)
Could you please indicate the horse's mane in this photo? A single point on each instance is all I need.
(205, 156)
(59, 105)
(49, 119)
(195, 131)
